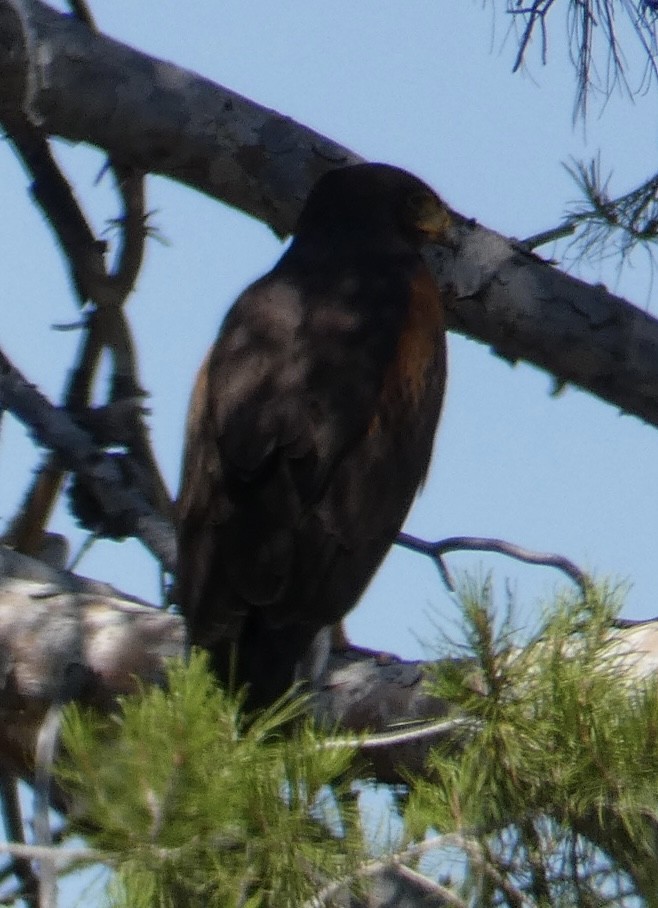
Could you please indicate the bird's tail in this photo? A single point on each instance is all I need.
(268, 660)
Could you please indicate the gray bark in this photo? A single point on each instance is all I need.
(173, 122)
(55, 625)
(53, 428)
(61, 632)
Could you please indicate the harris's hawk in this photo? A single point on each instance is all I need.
(311, 426)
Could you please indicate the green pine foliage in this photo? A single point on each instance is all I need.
(547, 797)
(553, 796)
(194, 807)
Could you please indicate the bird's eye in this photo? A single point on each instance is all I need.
(407, 209)
(416, 201)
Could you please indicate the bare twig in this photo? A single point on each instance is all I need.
(436, 550)
(633, 215)
(44, 758)
(54, 195)
(25, 532)
(121, 421)
(593, 29)
(548, 236)
(106, 327)
(539, 885)
(85, 255)
(13, 822)
(83, 13)
(86, 545)
(54, 429)
(536, 15)
(485, 863)
(61, 856)
(121, 279)
(458, 840)
(435, 893)
(406, 735)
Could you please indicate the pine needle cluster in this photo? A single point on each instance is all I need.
(553, 798)
(545, 795)
(194, 807)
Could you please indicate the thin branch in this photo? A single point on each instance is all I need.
(396, 860)
(25, 532)
(446, 897)
(83, 13)
(13, 822)
(85, 547)
(436, 550)
(106, 328)
(536, 14)
(534, 851)
(485, 863)
(632, 216)
(54, 429)
(120, 422)
(128, 262)
(44, 759)
(418, 732)
(548, 236)
(85, 255)
(459, 840)
(591, 25)
(53, 194)
(61, 856)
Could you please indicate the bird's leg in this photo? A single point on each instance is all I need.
(313, 665)
(339, 639)
(340, 643)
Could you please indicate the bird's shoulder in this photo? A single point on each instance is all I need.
(305, 358)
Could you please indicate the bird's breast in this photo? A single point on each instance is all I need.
(418, 363)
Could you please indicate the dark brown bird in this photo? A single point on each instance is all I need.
(311, 426)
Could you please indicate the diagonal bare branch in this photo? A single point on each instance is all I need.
(54, 429)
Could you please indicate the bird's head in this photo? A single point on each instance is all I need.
(377, 198)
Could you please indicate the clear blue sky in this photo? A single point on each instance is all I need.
(424, 85)
(428, 86)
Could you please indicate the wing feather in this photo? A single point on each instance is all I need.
(308, 434)
(270, 416)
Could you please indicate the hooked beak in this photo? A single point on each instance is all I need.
(437, 224)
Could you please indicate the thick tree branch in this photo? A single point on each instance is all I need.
(167, 120)
(55, 625)
(158, 116)
(526, 309)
